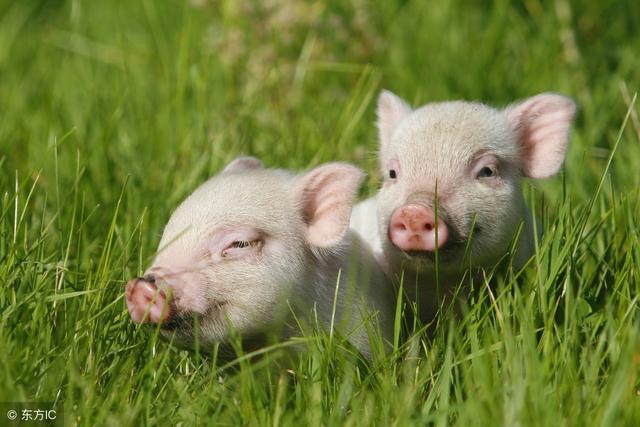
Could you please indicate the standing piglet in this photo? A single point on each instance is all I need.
(451, 191)
(249, 245)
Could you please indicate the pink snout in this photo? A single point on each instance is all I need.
(146, 303)
(414, 227)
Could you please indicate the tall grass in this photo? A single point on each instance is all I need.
(112, 112)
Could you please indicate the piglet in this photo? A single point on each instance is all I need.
(452, 187)
(252, 247)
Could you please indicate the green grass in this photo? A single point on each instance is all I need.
(112, 112)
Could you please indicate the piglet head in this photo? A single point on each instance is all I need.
(452, 173)
(240, 248)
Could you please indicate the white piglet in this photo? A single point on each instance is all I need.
(251, 244)
(452, 186)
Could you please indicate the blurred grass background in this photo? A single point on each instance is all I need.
(112, 112)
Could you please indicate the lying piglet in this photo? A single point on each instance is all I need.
(452, 187)
(249, 245)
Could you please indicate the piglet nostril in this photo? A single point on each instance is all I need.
(147, 303)
(417, 228)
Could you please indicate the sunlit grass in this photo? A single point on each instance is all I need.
(113, 112)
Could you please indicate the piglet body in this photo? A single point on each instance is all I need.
(452, 189)
(252, 244)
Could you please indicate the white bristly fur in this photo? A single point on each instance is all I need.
(302, 221)
(434, 148)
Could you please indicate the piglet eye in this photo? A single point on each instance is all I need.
(392, 174)
(245, 243)
(487, 172)
(238, 246)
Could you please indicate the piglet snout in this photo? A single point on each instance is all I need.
(146, 303)
(414, 227)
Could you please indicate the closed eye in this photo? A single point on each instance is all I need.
(244, 243)
(238, 247)
(234, 242)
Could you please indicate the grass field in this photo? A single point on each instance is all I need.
(112, 112)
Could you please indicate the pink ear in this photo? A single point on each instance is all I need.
(241, 164)
(326, 194)
(391, 110)
(542, 128)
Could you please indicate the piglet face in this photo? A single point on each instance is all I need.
(236, 252)
(229, 255)
(452, 174)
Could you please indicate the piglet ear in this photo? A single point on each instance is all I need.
(542, 126)
(241, 164)
(391, 110)
(325, 196)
